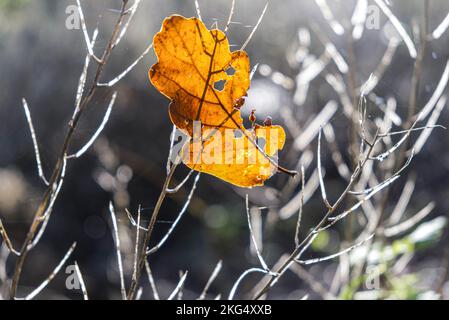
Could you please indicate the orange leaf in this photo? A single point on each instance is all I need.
(192, 62)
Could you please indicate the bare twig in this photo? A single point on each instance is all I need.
(178, 218)
(231, 13)
(7, 240)
(40, 171)
(301, 205)
(117, 247)
(151, 281)
(81, 280)
(44, 284)
(178, 286)
(210, 280)
(99, 129)
(441, 29)
(335, 255)
(399, 28)
(253, 239)
(255, 27)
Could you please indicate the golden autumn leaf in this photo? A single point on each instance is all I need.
(192, 61)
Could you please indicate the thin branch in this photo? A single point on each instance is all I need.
(132, 10)
(403, 202)
(240, 279)
(335, 255)
(311, 236)
(253, 239)
(231, 13)
(89, 44)
(329, 17)
(320, 175)
(302, 141)
(210, 280)
(7, 240)
(441, 29)
(301, 205)
(314, 284)
(99, 129)
(409, 223)
(40, 171)
(127, 70)
(197, 8)
(422, 139)
(151, 281)
(44, 284)
(81, 280)
(170, 152)
(179, 286)
(83, 77)
(117, 247)
(442, 83)
(255, 27)
(181, 184)
(358, 18)
(136, 245)
(399, 28)
(178, 218)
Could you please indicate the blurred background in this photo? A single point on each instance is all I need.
(41, 60)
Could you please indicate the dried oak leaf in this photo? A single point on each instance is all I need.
(192, 61)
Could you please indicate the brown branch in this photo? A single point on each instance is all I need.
(57, 171)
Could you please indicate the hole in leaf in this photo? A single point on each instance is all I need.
(219, 85)
(261, 143)
(238, 133)
(230, 71)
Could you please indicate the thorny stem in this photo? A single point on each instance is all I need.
(63, 153)
(280, 271)
(143, 250)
